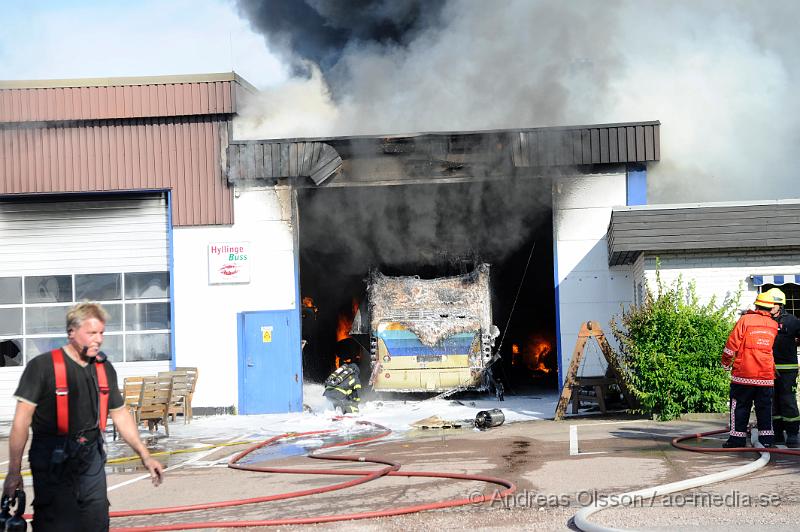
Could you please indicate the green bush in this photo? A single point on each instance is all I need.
(670, 349)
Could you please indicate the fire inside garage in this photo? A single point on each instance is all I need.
(427, 211)
(430, 231)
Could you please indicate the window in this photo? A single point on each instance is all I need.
(792, 292)
(10, 290)
(33, 311)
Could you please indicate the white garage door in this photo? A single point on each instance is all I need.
(57, 251)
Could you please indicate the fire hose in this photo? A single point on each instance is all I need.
(390, 469)
(582, 517)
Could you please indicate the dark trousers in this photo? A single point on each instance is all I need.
(742, 399)
(785, 415)
(346, 403)
(70, 494)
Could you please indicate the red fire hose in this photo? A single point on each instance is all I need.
(676, 442)
(391, 469)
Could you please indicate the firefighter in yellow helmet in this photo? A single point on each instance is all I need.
(785, 415)
(748, 356)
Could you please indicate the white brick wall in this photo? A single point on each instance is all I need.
(638, 280)
(720, 273)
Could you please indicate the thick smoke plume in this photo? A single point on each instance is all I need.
(401, 228)
(321, 31)
(721, 75)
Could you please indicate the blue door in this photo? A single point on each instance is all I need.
(270, 364)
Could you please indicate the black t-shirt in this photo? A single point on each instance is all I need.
(785, 349)
(38, 386)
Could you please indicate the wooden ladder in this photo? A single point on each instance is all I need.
(574, 386)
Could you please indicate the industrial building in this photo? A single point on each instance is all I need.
(232, 255)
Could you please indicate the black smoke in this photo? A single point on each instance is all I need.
(319, 31)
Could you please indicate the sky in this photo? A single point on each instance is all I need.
(721, 76)
(55, 39)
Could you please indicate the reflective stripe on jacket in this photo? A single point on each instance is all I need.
(748, 351)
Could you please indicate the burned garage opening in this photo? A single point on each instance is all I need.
(434, 214)
(355, 241)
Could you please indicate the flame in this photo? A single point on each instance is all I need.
(535, 353)
(338, 361)
(346, 322)
(514, 354)
(308, 305)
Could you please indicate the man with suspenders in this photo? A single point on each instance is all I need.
(65, 396)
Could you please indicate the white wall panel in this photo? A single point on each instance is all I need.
(9, 379)
(205, 315)
(590, 223)
(597, 287)
(581, 256)
(587, 288)
(597, 190)
(593, 363)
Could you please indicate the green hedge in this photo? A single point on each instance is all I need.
(670, 348)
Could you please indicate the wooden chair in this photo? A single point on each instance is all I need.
(181, 388)
(131, 391)
(192, 374)
(154, 402)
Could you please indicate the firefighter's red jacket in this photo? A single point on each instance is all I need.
(748, 351)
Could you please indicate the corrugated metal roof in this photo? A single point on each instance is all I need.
(125, 80)
(111, 134)
(179, 153)
(448, 155)
(615, 143)
(110, 98)
(713, 226)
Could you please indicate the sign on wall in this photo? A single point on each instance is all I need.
(228, 262)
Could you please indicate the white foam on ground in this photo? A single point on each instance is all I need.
(396, 414)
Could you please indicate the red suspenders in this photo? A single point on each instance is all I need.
(102, 383)
(62, 393)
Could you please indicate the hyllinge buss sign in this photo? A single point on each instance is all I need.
(229, 262)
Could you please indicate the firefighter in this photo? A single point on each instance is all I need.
(342, 387)
(748, 356)
(785, 416)
(64, 396)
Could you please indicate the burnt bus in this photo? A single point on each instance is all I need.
(430, 335)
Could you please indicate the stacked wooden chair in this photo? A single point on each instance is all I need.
(157, 399)
(192, 374)
(154, 402)
(184, 381)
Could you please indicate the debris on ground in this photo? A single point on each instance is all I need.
(436, 422)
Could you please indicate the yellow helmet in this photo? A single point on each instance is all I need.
(765, 300)
(778, 297)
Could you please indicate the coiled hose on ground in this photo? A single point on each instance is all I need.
(390, 469)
